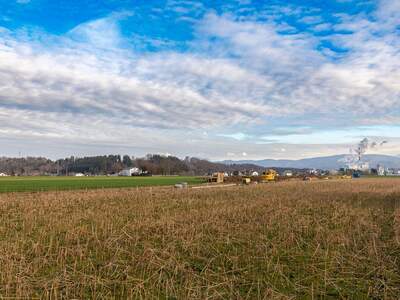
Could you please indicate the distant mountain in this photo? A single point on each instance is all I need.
(325, 163)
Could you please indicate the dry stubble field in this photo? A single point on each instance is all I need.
(333, 239)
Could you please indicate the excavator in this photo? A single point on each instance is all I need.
(269, 175)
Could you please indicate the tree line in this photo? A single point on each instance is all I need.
(112, 164)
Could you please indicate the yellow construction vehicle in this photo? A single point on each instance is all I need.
(269, 175)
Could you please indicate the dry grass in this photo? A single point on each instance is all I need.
(285, 240)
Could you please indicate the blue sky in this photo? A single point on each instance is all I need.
(213, 79)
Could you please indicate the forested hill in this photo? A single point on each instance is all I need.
(111, 164)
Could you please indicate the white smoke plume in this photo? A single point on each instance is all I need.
(354, 159)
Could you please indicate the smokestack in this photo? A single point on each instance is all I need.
(356, 154)
(362, 148)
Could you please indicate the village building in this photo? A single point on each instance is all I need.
(130, 172)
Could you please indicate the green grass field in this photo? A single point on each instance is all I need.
(33, 184)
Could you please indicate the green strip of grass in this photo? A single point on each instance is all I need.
(33, 184)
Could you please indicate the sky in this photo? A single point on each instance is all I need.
(232, 79)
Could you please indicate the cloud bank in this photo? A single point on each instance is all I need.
(248, 75)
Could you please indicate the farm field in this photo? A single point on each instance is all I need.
(287, 240)
(47, 183)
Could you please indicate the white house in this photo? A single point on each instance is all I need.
(255, 173)
(130, 172)
(288, 173)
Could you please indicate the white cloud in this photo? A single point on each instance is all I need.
(86, 86)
